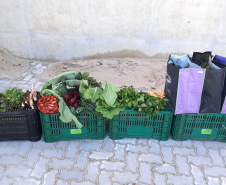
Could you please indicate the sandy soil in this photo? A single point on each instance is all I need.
(147, 74)
(10, 66)
(142, 74)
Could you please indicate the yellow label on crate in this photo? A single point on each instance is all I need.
(206, 131)
(76, 131)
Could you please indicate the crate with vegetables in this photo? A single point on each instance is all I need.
(145, 115)
(132, 114)
(19, 115)
(61, 116)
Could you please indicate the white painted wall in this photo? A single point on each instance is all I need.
(57, 29)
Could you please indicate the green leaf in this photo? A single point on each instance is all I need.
(95, 93)
(109, 93)
(61, 89)
(55, 81)
(130, 104)
(85, 75)
(143, 105)
(87, 94)
(2, 110)
(135, 103)
(79, 109)
(108, 112)
(83, 86)
(65, 113)
(72, 83)
(141, 99)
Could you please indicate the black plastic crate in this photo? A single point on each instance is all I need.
(22, 124)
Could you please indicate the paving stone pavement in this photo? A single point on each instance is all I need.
(126, 161)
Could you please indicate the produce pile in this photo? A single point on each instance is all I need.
(15, 99)
(73, 92)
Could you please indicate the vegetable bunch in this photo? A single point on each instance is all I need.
(48, 104)
(71, 99)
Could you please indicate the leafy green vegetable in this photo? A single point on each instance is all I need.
(11, 98)
(127, 97)
(150, 105)
(57, 86)
(59, 83)
(103, 99)
(109, 93)
(107, 110)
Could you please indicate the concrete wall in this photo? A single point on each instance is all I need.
(57, 29)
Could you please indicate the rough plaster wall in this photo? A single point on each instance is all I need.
(56, 29)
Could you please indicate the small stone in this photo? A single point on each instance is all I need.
(71, 174)
(215, 181)
(26, 181)
(20, 171)
(167, 154)
(82, 159)
(137, 148)
(72, 149)
(33, 63)
(159, 179)
(119, 152)
(145, 171)
(109, 165)
(38, 66)
(33, 81)
(179, 180)
(59, 182)
(200, 147)
(165, 168)
(183, 151)
(199, 160)
(11, 160)
(151, 158)
(183, 166)
(214, 171)
(217, 159)
(32, 157)
(155, 147)
(109, 144)
(61, 163)
(90, 145)
(93, 170)
(125, 177)
(105, 178)
(50, 178)
(142, 141)
(81, 183)
(131, 161)
(126, 141)
(27, 77)
(40, 168)
(197, 174)
(37, 71)
(49, 153)
(100, 155)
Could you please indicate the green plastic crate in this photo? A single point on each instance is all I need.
(203, 126)
(54, 129)
(134, 124)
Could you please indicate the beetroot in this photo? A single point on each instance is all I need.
(71, 99)
(75, 105)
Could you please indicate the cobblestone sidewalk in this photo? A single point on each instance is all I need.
(106, 162)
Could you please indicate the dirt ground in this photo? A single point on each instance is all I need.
(142, 74)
